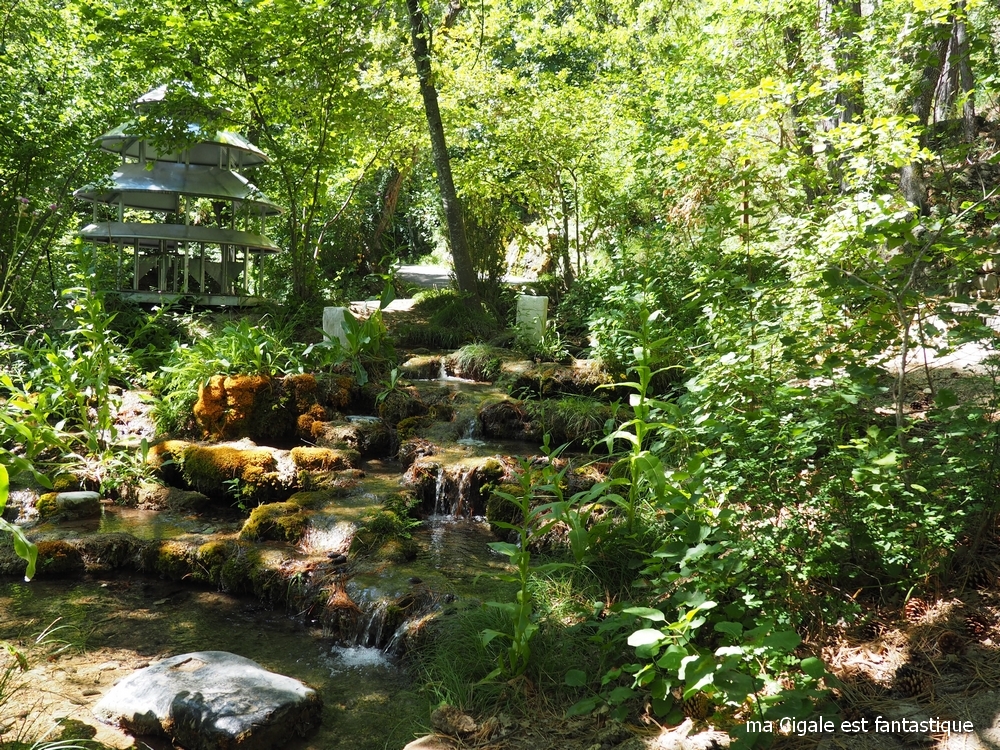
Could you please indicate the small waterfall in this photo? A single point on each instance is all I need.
(373, 624)
(387, 618)
(456, 492)
(464, 491)
(471, 435)
(441, 493)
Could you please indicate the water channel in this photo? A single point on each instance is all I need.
(105, 623)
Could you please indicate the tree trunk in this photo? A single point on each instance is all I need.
(911, 180)
(464, 271)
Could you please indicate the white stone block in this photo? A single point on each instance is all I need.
(532, 313)
(333, 323)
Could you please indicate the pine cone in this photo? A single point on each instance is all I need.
(914, 609)
(951, 642)
(697, 707)
(977, 625)
(982, 579)
(911, 682)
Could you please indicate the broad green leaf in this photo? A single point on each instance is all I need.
(813, 667)
(645, 637)
(785, 640)
(576, 678)
(647, 612)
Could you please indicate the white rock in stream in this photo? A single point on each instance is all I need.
(212, 700)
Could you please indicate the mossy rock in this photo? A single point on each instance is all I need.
(337, 391)
(546, 379)
(396, 551)
(66, 482)
(324, 459)
(414, 448)
(241, 570)
(507, 419)
(232, 566)
(173, 560)
(278, 521)
(74, 729)
(476, 362)
(422, 477)
(427, 367)
(404, 503)
(165, 458)
(47, 505)
(104, 552)
(371, 439)
(211, 469)
(399, 404)
(411, 426)
(58, 559)
(255, 406)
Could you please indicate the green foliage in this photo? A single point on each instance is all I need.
(478, 362)
(368, 348)
(534, 522)
(576, 420)
(59, 390)
(243, 346)
(22, 546)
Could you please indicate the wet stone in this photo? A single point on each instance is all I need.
(78, 504)
(212, 700)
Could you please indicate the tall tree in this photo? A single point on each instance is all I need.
(465, 273)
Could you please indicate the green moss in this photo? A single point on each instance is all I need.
(73, 729)
(46, 505)
(312, 498)
(240, 569)
(173, 560)
(57, 559)
(400, 404)
(411, 426)
(66, 483)
(397, 551)
(324, 459)
(277, 521)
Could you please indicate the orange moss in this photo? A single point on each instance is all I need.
(58, 558)
(318, 413)
(304, 424)
(338, 600)
(241, 393)
(168, 450)
(304, 387)
(339, 391)
(210, 409)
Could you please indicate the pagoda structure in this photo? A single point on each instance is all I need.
(184, 222)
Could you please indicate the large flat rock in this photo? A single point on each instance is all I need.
(212, 700)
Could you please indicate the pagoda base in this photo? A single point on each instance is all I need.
(190, 298)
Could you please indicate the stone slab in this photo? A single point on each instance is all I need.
(212, 700)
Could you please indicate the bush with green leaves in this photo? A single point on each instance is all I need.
(241, 347)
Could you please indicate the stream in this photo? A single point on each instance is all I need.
(104, 624)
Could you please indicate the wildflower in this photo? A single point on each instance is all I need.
(53, 206)
(23, 200)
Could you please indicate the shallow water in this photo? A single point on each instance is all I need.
(108, 628)
(123, 620)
